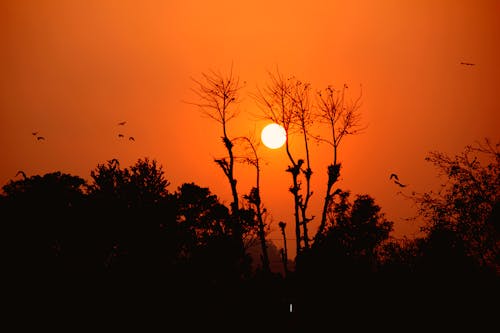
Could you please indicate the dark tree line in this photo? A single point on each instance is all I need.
(125, 225)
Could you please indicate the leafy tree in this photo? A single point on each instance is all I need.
(127, 206)
(147, 181)
(354, 233)
(143, 184)
(201, 213)
(400, 256)
(209, 246)
(41, 216)
(54, 188)
(109, 180)
(360, 227)
(465, 210)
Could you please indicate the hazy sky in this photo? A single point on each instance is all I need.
(73, 69)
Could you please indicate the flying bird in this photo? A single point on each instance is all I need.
(20, 172)
(120, 135)
(467, 63)
(393, 175)
(400, 185)
(131, 138)
(122, 123)
(396, 180)
(40, 138)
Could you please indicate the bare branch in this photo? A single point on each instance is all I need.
(342, 119)
(217, 96)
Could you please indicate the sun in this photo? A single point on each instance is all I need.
(273, 136)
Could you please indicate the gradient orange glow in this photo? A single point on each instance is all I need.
(72, 70)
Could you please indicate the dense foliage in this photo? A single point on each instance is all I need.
(126, 232)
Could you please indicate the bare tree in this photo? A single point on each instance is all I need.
(218, 94)
(343, 119)
(279, 107)
(255, 200)
(303, 118)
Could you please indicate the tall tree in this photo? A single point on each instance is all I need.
(343, 119)
(280, 103)
(255, 200)
(218, 95)
(304, 118)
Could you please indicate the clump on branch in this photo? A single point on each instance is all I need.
(286, 102)
(218, 95)
(343, 119)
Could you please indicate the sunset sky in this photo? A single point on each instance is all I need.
(71, 70)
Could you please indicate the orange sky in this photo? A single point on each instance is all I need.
(73, 69)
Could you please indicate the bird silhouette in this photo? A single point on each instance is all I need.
(131, 138)
(122, 123)
(467, 63)
(393, 175)
(40, 138)
(20, 172)
(400, 185)
(396, 180)
(120, 135)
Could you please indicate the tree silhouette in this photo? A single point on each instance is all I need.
(360, 227)
(353, 234)
(109, 181)
(201, 214)
(218, 95)
(284, 251)
(342, 119)
(142, 184)
(303, 119)
(255, 200)
(41, 214)
(400, 257)
(124, 234)
(149, 185)
(128, 202)
(285, 101)
(209, 248)
(467, 204)
(341, 270)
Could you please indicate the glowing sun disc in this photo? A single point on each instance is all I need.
(273, 136)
